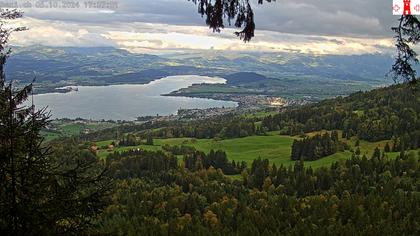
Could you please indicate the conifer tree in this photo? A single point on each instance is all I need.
(387, 148)
(42, 192)
(407, 34)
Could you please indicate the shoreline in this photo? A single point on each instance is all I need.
(61, 88)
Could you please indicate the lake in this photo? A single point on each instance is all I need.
(129, 101)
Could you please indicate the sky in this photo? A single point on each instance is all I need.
(158, 26)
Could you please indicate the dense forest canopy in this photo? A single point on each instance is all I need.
(381, 114)
(314, 148)
(364, 195)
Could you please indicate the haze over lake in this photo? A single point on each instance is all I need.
(126, 102)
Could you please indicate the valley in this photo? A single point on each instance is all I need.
(274, 147)
(270, 134)
(290, 76)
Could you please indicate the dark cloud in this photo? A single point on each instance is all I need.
(176, 12)
(355, 18)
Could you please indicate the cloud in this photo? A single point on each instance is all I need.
(356, 18)
(305, 26)
(57, 33)
(160, 38)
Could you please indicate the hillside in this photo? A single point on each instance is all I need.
(210, 175)
(245, 78)
(380, 114)
(290, 75)
(184, 170)
(365, 120)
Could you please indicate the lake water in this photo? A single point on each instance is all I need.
(126, 102)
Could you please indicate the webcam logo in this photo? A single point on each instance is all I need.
(406, 7)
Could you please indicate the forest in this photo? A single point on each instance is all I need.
(157, 193)
(361, 196)
(380, 114)
(181, 191)
(196, 161)
(314, 148)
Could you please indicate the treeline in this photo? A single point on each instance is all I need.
(118, 132)
(380, 114)
(316, 147)
(178, 149)
(130, 140)
(196, 161)
(139, 163)
(227, 126)
(360, 196)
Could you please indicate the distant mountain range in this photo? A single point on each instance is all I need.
(55, 66)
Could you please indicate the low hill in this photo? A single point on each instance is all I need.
(244, 78)
(365, 120)
(380, 114)
(293, 75)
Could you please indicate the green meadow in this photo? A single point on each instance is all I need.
(63, 130)
(70, 128)
(275, 147)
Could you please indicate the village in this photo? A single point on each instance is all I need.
(247, 104)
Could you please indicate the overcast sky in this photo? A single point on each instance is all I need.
(155, 26)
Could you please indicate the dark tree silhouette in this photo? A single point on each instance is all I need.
(42, 192)
(238, 11)
(407, 33)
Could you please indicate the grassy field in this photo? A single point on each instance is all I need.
(64, 128)
(48, 135)
(275, 147)
(63, 131)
